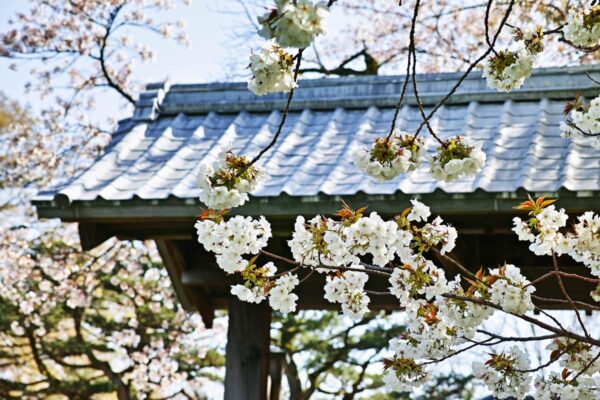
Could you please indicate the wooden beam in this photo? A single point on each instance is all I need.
(208, 277)
(192, 299)
(247, 357)
(92, 235)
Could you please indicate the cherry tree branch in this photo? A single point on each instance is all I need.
(102, 58)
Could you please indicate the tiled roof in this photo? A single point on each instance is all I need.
(156, 153)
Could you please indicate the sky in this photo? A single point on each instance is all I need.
(207, 27)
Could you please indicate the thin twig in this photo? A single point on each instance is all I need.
(470, 68)
(283, 117)
(564, 292)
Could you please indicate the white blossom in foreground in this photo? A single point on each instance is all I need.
(418, 212)
(231, 239)
(575, 355)
(542, 230)
(348, 290)
(256, 282)
(583, 28)
(560, 386)
(341, 243)
(501, 373)
(389, 158)
(584, 122)
(428, 335)
(225, 183)
(507, 70)
(281, 297)
(584, 242)
(403, 372)
(532, 39)
(455, 159)
(465, 315)
(510, 290)
(294, 24)
(272, 70)
(425, 280)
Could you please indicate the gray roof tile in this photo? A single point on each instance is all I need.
(157, 153)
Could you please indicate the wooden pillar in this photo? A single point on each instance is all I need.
(276, 362)
(247, 358)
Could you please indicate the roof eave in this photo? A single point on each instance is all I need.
(283, 206)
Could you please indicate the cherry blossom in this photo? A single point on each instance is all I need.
(226, 183)
(294, 23)
(507, 70)
(511, 290)
(584, 121)
(390, 157)
(501, 373)
(560, 386)
(456, 158)
(271, 70)
(231, 239)
(583, 27)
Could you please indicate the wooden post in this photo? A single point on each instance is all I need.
(247, 358)
(276, 362)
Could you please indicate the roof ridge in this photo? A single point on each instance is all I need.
(356, 92)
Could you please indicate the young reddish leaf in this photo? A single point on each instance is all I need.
(479, 273)
(548, 202)
(539, 201)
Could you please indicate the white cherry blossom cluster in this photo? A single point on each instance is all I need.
(226, 183)
(154, 365)
(584, 122)
(281, 297)
(507, 70)
(426, 280)
(583, 27)
(511, 290)
(388, 158)
(455, 159)
(347, 289)
(258, 284)
(231, 239)
(335, 243)
(428, 334)
(542, 230)
(403, 374)
(294, 23)
(584, 242)
(437, 233)
(328, 242)
(272, 70)
(575, 355)
(501, 373)
(254, 289)
(560, 386)
(464, 314)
